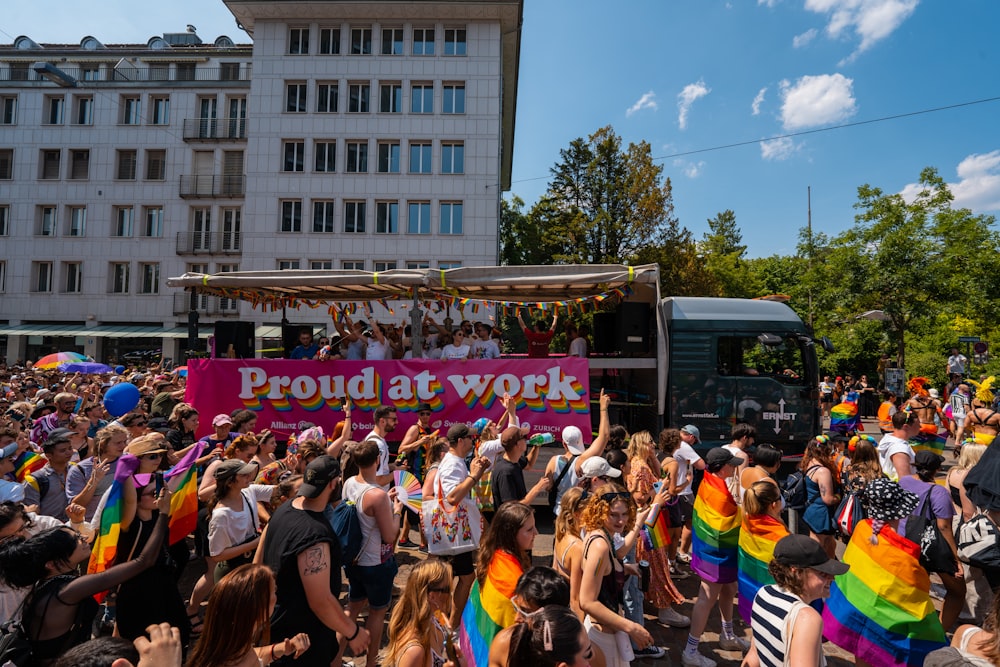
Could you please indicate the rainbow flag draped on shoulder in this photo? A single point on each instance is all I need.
(107, 521)
(183, 482)
(930, 438)
(716, 525)
(489, 608)
(758, 536)
(27, 463)
(881, 610)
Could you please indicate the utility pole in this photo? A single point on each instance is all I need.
(809, 231)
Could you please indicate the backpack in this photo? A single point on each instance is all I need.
(15, 649)
(346, 524)
(43, 489)
(794, 491)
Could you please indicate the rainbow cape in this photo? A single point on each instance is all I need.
(758, 536)
(716, 525)
(489, 609)
(657, 535)
(881, 610)
(107, 523)
(183, 481)
(929, 439)
(28, 462)
(844, 416)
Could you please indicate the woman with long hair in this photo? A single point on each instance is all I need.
(183, 422)
(552, 637)
(418, 627)
(567, 552)
(822, 496)
(136, 423)
(247, 594)
(87, 481)
(234, 526)
(266, 444)
(969, 456)
(244, 421)
(642, 447)
(973, 645)
(865, 465)
(760, 531)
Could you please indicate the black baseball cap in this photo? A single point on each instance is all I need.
(458, 431)
(321, 471)
(720, 456)
(803, 551)
(57, 436)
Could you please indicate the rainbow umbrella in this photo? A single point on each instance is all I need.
(53, 360)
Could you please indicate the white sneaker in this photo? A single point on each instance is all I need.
(672, 618)
(683, 557)
(734, 644)
(696, 660)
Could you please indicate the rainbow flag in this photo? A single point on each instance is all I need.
(929, 439)
(657, 535)
(844, 416)
(183, 481)
(758, 536)
(716, 533)
(107, 523)
(489, 609)
(28, 462)
(881, 610)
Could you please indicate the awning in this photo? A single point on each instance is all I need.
(271, 331)
(101, 331)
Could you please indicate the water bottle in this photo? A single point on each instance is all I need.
(540, 439)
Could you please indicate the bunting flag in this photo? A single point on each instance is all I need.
(184, 501)
(881, 609)
(489, 609)
(929, 439)
(716, 532)
(107, 523)
(759, 534)
(28, 462)
(844, 417)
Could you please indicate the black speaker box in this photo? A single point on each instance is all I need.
(632, 331)
(239, 335)
(604, 333)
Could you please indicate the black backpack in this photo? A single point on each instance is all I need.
(794, 491)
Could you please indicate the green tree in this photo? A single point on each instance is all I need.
(723, 251)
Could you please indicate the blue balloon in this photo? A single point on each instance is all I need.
(119, 369)
(121, 398)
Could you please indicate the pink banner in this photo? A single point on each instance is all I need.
(288, 394)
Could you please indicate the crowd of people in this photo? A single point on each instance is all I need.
(634, 513)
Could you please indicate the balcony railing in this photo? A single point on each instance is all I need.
(205, 305)
(126, 73)
(215, 129)
(213, 185)
(209, 243)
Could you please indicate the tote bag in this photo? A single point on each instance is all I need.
(922, 528)
(451, 529)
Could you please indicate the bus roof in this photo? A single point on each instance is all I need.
(690, 312)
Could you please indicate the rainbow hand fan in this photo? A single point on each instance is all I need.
(408, 489)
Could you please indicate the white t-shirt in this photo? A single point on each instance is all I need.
(453, 351)
(956, 363)
(686, 458)
(889, 445)
(383, 454)
(451, 472)
(485, 349)
(377, 351)
(227, 528)
(491, 449)
(578, 347)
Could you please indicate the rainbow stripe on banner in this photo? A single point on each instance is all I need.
(844, 416)
(489, 608)
(881, 610)
(184, 501)
(758, 536)
(716, 533)
(27, 463)
(107, 521)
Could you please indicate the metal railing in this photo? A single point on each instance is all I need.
(125, 73)
(215, 129)
(205, 305)
(209, 243)
(213, 185)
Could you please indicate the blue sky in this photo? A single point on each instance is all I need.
(690, 75)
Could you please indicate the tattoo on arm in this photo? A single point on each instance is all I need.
(315, 560)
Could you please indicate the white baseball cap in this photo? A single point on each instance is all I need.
(573, 439)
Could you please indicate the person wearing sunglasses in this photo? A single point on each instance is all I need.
(418, 628)
(87, 481)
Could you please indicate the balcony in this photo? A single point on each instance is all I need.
(215, 129)
(125, 72)
(209, 243)
(207, 186)
(204, 305)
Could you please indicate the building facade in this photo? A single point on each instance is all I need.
(349, 135)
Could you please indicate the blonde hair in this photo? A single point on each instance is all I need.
(641, 446)
(971, 453)
(411, 617)
(568, 523)
(759, 496)
(105, 435)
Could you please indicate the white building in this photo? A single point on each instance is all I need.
(349, 135)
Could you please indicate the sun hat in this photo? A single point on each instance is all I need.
(885, 500)
(151, 443)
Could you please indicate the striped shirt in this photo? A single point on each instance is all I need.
(771, 609)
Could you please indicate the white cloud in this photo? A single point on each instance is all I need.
(817, 100)
(690, 169)
(978, 187)
(801, 40)
(687, 97)
(870, 20)
(767, 3)
(647, 101)
(757, 101)
(778, 149)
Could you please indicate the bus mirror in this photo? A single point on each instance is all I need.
(826, 344)
(769, 339)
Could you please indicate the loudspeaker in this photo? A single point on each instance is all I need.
(633, 327)
(604, 332)
(289, 338)
(239, 335)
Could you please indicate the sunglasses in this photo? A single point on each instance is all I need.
(608, 497)
(424, 414)
(138, 423)
(154, 455)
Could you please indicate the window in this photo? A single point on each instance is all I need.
(125, 170)
(41, 273)
(79, 164)
(357, 157)
(454, 41)
(361, 41)
(358, 97)
(4, 220)
(449, 265)
(231, 229)
(130, 108)
(388, 157)
(323, 217)
(738, 354)
(418, 264)
(454, 98)
(288, 264)
(321, 264)
(420, 158)
(298, 41)
(46, 221)
(295, 98)
(159, 71)
(84, 110)
(386, 217)
(326, 97)
(201, 229)
(54, 111)
(390, 98)
(3, 276)
(72, 277)
(453, 158)
(152, 226)
(77, 221)
(6, 163)
(329, 41)
(19, 71)
(123, 216)
(229, 71)
(353, 265)
(354, 217)
(8, 110)
(149, 278)
(451, 218)
(160, 110)
(384, 266)
(294, 156)
(156, 165)
(49, 165)
(419, 219)
(423, 41)
(291, 215)
(422, 98)
(392, 41)
(90, 72)
(185, 71)
(326, 156)
(118, 277)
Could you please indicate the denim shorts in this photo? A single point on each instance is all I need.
(372, 583)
